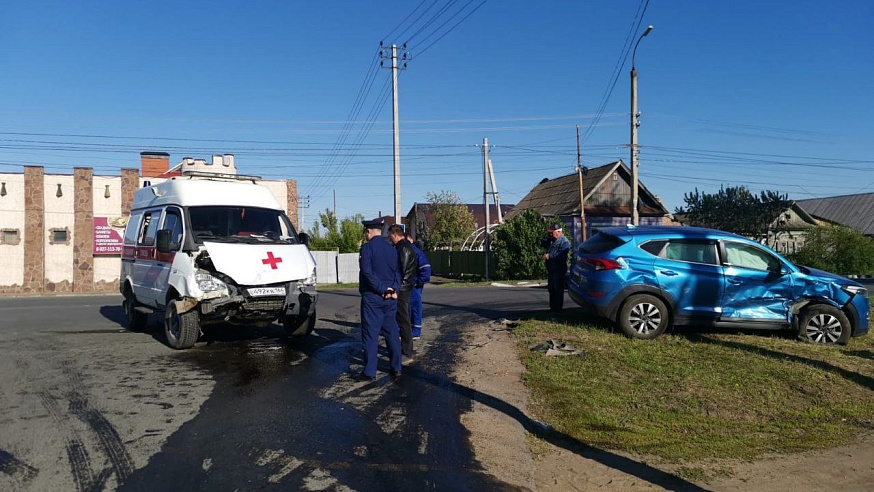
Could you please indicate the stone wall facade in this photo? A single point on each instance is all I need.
(34, 230)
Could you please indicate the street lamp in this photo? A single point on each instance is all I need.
(635, 219)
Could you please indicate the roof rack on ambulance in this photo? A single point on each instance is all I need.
(204, 174)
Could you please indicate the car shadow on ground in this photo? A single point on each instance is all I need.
(220, 333)
(860, 379)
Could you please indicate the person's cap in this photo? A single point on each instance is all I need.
(372, 224)
(554, 227)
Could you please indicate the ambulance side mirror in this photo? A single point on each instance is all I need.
(164, 243)
(304, 238)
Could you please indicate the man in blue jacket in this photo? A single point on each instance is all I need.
(379, 280)
(422, 278)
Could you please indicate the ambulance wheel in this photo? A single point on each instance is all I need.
(136, 320)
(299, 326)
(181, 329)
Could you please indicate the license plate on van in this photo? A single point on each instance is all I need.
(266, 291)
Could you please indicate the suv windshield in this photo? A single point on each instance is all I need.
(234, 223)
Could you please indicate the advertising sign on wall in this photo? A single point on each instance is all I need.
(108, 235)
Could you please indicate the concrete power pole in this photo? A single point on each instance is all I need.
(303, 203)
(635, 123)
(487, 242)
(582, 196)
(396, 124)
(497, 199)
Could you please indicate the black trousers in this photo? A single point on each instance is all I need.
(555, 286)
(403, 317)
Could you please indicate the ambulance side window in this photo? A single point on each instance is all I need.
(173, 221)
(149, 228)
(132, 232)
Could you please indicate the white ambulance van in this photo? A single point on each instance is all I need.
(210, 248)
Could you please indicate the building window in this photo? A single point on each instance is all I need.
(59, 236)
(10, 237)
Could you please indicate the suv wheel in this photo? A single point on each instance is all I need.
(643, 316)
(824, 324)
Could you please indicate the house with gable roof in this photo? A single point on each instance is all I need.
(606, 200)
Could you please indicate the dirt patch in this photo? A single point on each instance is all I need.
(550, 462)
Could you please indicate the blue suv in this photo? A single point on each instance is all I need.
(646, 279)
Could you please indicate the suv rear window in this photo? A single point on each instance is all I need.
(600, 243)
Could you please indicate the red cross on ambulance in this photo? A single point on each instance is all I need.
(271, 260)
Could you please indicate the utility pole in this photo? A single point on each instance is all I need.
(335, 206)
(487, 242)
(395, 122)
(635, 122)
(303, 203)
(497, 199)
(582, 196)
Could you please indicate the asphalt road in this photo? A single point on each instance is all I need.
(88, 405)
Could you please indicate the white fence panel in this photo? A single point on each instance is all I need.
(326, 266)
(347, 267)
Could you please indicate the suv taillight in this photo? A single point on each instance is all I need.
(603, 263)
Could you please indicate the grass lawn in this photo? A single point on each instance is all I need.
(698, 395)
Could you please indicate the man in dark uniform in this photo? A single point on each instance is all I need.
(556, 267)
(409, 265)
(378, 283)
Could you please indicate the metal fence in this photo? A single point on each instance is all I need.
(456, 263)
(333, 267)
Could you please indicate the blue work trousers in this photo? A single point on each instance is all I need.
(416, 311)
(378, 318)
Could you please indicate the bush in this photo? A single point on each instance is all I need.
(837, 249)
(517, 249)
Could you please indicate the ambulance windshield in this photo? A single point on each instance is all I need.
(240, 224)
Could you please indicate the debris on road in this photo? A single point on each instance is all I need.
(552, 348)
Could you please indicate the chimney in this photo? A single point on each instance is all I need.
(153, 164)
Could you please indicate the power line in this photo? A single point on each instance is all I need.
(620, 63)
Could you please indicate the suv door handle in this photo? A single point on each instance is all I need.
(734, 281)
(669, 273)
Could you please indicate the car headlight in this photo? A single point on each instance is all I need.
(208, 283)
(311, 280)
(855, 290)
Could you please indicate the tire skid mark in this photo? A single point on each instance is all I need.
(77, 456)
(15, 468)
(110, 441)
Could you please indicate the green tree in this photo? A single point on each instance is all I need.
(450, 221)
(344, 236)
(735, 209)
(837, 249)
(516, 249)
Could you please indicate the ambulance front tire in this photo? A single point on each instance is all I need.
(181, 329)
(136, 320)
(299, 326)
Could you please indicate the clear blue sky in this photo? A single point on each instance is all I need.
(772, 95)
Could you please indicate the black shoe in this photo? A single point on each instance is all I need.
(395, 374)
(363, 377)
